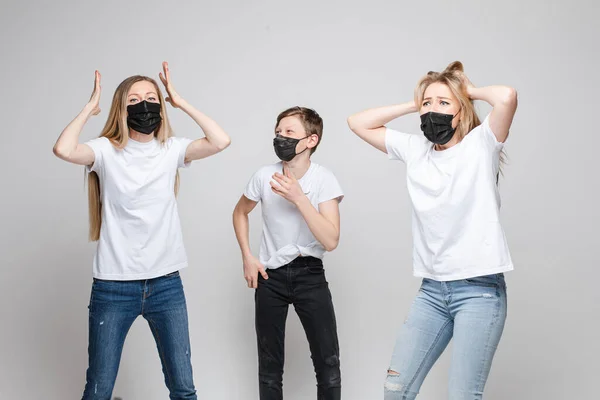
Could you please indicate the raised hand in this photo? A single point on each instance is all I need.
(94, 103)
(165, 77)
(287, 185)
(467, 84)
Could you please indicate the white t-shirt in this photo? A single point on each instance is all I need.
(285, 232)
(456, 204)
(140, 235)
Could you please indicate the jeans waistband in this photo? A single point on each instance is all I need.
(307, 261)
(170, 274)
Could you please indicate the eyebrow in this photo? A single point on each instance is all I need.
(137, 94)
(441, 97)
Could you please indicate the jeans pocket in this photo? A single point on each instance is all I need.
(315, 269)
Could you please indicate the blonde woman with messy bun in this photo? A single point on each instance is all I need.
(133, 179)
(460, 249)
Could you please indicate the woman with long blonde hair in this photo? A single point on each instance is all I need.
(133, 180)
(459, 247)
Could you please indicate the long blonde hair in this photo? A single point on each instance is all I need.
(452, 77)
(117, 131)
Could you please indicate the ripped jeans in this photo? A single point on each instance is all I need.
(114, 305)
(472, 312)
(301, 283)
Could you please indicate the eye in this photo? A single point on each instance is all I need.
(444, 103)
(133, 100)
(426, 103)
(152, 98)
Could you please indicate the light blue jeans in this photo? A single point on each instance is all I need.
(472, 312)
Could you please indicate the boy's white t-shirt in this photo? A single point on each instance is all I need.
(456, 204)
(140, 235)
(286, 235)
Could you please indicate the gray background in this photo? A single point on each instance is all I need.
(242, 62)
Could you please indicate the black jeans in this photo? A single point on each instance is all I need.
(301, 283)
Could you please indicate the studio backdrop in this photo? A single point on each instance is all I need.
(242, 62)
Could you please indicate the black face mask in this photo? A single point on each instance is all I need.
(285, 147)
(143, 117)
(437, 127)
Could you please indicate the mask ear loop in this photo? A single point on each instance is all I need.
(458, 112)
(306, 148)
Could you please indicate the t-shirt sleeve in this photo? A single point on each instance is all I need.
(182, 144)
(254, 187)
(330, 188)
(398, 145)
(100, 146)
(489, 139)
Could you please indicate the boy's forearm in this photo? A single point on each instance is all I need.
(241, 226)
(322, 229)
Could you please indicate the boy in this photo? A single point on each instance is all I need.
(301, 221)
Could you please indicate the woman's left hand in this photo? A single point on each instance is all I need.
(172, 96)
(468, 85)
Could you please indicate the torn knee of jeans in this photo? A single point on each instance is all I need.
(332, 361)
(270, 382)
(330, 379)
(328, 375)
(270, 379)
(392, 383)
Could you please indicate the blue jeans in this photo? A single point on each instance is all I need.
(114, 305)
(472, 312)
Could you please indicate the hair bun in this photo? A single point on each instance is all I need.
(454, 67)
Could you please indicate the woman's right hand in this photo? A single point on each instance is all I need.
(67, 146)
(94, 103)
(252, 267)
